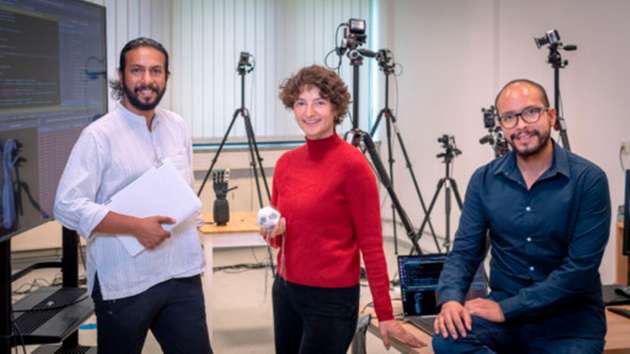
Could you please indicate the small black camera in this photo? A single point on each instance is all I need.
(551, 37)
(490, 116)
(356, 26)
(354, 33)
(449, 146)
(385, 58)
(444, 139)
(245, 63)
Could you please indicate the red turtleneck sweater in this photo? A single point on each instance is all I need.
(327, 192)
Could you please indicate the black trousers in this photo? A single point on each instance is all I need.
(173, 310)
(309, 320)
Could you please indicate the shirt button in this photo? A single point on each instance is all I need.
(528, 208)
(531, 268)
(529, 239)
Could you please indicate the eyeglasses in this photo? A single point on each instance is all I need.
(529, 115)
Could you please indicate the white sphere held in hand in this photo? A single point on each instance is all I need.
(268, 218)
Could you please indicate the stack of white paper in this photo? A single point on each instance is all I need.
(159, 191)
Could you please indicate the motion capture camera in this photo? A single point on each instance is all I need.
(494, 137)
(245, 63)
(446, 140)
(489, 117)
(354, 33)
(551, 37)
(450, 148)
(385, 58)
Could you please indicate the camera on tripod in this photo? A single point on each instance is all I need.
(245, 63)
(449, 146)
(354, 33)
(385, 59)
(489, 117)
(551, 37)
(495, 137)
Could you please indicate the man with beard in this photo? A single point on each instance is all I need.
(160, 288)
(547, 214)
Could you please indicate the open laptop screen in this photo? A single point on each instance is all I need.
(419, 276)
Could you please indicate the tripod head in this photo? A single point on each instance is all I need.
(450, 148)
(385, 60)
(552, 38)
(246, 64)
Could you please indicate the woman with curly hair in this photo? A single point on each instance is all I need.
(328, 197)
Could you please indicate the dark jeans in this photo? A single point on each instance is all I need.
(489, 337)
(309, 320)
(173, 310)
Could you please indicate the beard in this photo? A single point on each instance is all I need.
(543, 140)
(133, 96)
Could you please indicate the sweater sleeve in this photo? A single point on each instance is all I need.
(363, 201)
(277, 171)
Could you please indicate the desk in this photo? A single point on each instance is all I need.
(241, 231)
(617, 338)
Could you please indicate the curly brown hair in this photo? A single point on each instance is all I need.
(331, 87)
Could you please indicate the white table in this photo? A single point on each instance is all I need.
(241, 231)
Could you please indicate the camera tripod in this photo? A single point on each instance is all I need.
(358, 136)
(387, 66)
(447, 182)
(557, 63)
(243, 68)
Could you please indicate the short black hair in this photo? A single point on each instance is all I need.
(116, 85)
(538, 86)
(139, 43)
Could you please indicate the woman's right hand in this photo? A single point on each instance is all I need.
(270, 235)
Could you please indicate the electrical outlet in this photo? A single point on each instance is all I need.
(625, 147)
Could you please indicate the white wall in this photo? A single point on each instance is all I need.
(458, 53)
(283, 36)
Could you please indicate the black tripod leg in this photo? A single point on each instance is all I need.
(380, 169)
(413, 175)
(252, 160)
(375, 126)
(376, 123)
(216, 156)
(253, 153)
(428, 215)
(259, 159)
(390, 161)
(447, 211)
(458, 198)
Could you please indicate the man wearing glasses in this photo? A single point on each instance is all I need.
(547, 213)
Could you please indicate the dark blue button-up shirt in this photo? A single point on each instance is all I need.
(546, 244)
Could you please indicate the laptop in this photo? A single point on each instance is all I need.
(419, 276)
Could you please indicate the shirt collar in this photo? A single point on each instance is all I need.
(560, 164)
(136, 119)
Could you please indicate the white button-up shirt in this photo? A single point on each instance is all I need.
(111, 153)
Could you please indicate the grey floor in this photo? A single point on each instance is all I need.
(241, 306)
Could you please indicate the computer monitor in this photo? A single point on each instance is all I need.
(419, 277)
(626, 216)
(53, 82)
